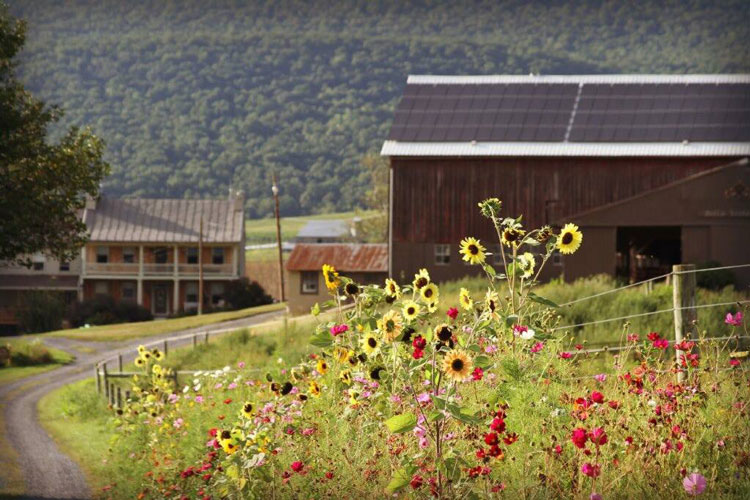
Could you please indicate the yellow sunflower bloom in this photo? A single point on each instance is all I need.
(247, 410)
(314, 388)
(464, 298)
(346, 377)
(410, 310)
(472, 251)
(570, 239)
(341, 354)
(457, 365)
(492, 304)
(512, 236)
(430, 292)
(526, 262)
(353, 395)
(391, 325)
(139, 362)
(421, 279)
(322, 366)
(331, 277)
(370, 344)
(432, 307)
(392, 289)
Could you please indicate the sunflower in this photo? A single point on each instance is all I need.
(421, 279)
(443, 333)
(457, 365)
(286, 388)
(472, 250)
(410, 310)
(570, 239)
(353, 395)
(247, 410)
(351, 289)
(158, 355)
(492, 301)
(346, 377)
(375, 372)
(391, 325)
(141, 349)
(322, 366)
(341, 354)
(314, 388)
(392, 289)
(430, 292)
(465, 299)
(370, 344)
(331, 277)
(432, 307)
(526, 262)
(512, 236)
(139, 362)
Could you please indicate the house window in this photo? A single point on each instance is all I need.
(192, 255)
(128, 291)
(128, 255)
(64, 266)
(309, 282)
(217, 255)
(217, 294)
(102, 255)
(442, 254)
(160, 255)
(191, 293)
(101, 288)
(37, 262)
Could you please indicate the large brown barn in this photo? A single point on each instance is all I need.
(652, 167)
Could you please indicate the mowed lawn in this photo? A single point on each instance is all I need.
(259, 231)
(57, 358)
(127, 331)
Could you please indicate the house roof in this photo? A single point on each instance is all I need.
(41, 281)
(164, 221)
(585, 115)
(325, 228)
(344, 257)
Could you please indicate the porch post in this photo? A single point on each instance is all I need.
(176, 297)
(139, 297)
(235, 255)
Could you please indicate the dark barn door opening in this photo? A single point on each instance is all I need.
(646, 252)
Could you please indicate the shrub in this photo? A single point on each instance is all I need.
(29, 353)
(243, 293)
(714, 280)
(41, 311)
(103, 310)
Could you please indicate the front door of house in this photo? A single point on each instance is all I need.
(160, 305)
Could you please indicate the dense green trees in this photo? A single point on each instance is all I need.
(194, 96)
(42, 183)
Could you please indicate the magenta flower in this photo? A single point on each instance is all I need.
(595, 496)
(694, 484)
(565, 355)
(338, 329)
(537, 347)
(591, 470)
(600, 377)
(241, 365)
(452, 313)
(735, 320)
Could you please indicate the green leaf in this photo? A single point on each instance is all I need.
(511, 320)
(321, 339)
(542, 300)
(474, 348)
(398, 424)
(463, 415)
(315, 310)
(438, 402)
(483, 362)
(434, 416)
(452, 468)
(400, 478)
(489, 269)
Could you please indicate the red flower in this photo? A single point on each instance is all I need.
(597, 397)
(613, 404)
(297, 466)
(558, 449)
(498, 425)
(416, 482)
(491, 438)
(653, 336)
(417, 354)
(452, 313)
(477, 374)
(633, 337)
(734, 362)
(660, 344)
(213, 431)
(579, 347)
(227, 401)
(496, 452)
(480, 454)
(591, 470)
(329, 475)
(565, 355)
(578, 437)
(419, 342)
(511, 438)
(598, 436)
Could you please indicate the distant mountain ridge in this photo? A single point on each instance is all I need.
(193, 97)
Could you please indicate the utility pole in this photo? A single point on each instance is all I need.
(275, 191)
(200, 268)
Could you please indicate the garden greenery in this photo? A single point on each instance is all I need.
(481, 402)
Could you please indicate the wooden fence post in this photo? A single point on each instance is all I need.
(195, 340)
(106, 382)
(683, 303)
(206, 337)
(119, 397)
(119, 362)
(165, 347)
(98, 379)
(112, 394)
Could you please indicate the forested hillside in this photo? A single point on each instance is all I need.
(194, 95)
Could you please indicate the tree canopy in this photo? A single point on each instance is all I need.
(42, 184)
(194, 97)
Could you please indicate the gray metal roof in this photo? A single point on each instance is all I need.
(324, 228)
(591, 113)
(164, 221)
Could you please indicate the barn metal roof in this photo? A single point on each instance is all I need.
(586, 111)
(344, 257)
(164, 221)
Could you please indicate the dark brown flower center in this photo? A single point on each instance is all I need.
(248, 408)
(428, 293)
(410, 311)
(390, 325)
(421, 282)
(457, 365)
(473, 250)
(445, 334)
(567, 238)
(372, 342)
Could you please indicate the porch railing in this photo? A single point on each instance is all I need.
(128, 269)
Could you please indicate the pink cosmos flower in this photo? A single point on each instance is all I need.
(452, 313)
(241, 365)
(338, 329)
(734, 362)
(395, 399)
(424, 397)
(308, 432)
(537, 347)
(595, 496)
(661, 343)
(591, 470)
(694, 484)
(178, 423)
(297, 466)
(735, 320)
(233, 385)
(600, 377)
(598, 436)
(519, 329)
(633, 337)
(199, 399)
(490, 349)
(565, 355)
(424, 443)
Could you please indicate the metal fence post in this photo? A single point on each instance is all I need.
(683, 303)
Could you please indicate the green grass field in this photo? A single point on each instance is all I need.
(259, 231)
(128, 331)
(56, 358)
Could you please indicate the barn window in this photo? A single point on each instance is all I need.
(309, 282)
(161, 255)
(217, 294)
(557, 259)
(442, 254)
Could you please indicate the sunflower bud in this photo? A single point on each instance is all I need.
(490, 207)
